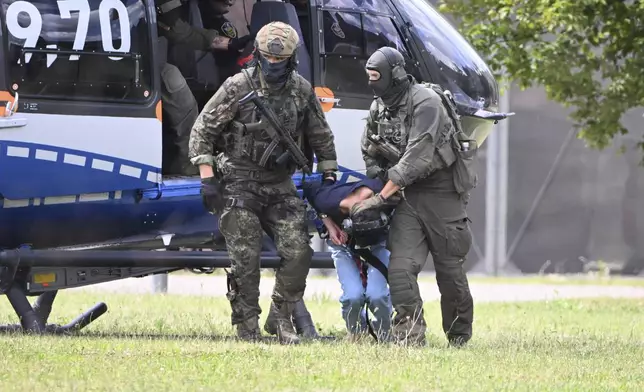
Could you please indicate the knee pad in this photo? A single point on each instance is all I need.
(402, 287)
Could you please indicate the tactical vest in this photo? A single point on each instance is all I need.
(244, 139)
(464, 148)
(453, 149)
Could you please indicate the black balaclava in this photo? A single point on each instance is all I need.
(275, 73)
(220, 7)
(393, 82)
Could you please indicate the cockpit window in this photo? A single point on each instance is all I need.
(460, 68)
(359, 34)
(380, 31)
(70, 49)
(348, 39)
(378, 6)
(343, 33)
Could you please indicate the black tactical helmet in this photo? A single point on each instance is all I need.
(390, 65)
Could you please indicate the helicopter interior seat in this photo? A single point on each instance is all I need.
(199, 67)
(265, 12)
(304, 16)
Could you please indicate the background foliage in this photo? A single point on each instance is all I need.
(587, 54)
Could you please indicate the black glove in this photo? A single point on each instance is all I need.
(329, 178)
(212, 194)
(239, 43)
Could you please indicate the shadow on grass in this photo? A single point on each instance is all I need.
(16, 330)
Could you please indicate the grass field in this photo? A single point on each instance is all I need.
(567, 279)
(181, 343)
(579, 279)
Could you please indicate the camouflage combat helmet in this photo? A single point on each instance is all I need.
(277, 39)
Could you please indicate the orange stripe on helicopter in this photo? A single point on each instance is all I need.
(6, 96)
(159, 111)
(325, 92)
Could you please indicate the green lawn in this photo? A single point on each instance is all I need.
(568, 279)
(572, 279)
(178, 343)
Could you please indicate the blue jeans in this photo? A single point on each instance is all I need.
(354, 294)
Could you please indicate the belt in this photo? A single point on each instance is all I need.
(252, 205)
(249, 174)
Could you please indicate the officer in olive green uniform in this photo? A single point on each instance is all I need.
(180, 108)
(431, 217)
(241, 176)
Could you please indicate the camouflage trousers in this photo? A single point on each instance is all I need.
(180, 112)
(275, 209)
(425, 223)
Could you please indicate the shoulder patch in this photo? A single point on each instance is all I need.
(229, 30)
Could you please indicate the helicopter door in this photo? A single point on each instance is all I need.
(86, 121)
(350, 35)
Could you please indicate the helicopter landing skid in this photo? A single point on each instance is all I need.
(33, 319)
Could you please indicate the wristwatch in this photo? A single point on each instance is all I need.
(322, 216)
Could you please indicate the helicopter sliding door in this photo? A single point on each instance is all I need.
(351, 31)
(88, 116)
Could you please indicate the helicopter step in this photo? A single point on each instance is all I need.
(25, 272)
(33, 319)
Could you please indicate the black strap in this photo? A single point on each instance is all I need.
(367, 257)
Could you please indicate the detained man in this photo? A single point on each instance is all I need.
(359, 287)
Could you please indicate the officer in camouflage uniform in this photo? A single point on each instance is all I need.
(431, 217)
(212, 13)
(256, 195)
(180, 108)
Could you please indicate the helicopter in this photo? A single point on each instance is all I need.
(84, 198)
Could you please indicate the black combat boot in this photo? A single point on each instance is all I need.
(303, 321)
(270, 325)
(282, 323)
(409, 330)
(248, 330)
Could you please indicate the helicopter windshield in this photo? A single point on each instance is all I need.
(460, 68)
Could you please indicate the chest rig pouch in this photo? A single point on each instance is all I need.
(251, 141)
(390, 141)
(458, 149)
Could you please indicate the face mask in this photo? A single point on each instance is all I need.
(379, 87)
(274, 72)
(390, 91)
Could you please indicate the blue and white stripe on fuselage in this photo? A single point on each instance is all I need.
(70, 179)
(62, 155)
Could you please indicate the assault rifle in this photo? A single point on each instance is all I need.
(278, 134)
(385, 149)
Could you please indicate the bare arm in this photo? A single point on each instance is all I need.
(220, 43)
(337, 235)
